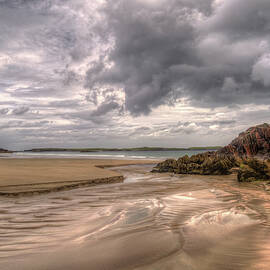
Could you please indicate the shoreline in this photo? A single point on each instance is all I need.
(39, 175)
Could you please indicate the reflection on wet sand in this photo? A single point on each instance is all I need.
(149, 222)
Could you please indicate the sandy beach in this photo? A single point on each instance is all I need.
(150, 221)
(21, 176)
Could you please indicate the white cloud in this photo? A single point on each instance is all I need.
(261, 70)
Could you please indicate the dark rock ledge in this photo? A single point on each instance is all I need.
(209, 163)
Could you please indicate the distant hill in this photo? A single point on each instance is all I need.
(122, 149)
(4, 151)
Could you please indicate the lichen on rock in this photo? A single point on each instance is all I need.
(253, 170)
(209, 163)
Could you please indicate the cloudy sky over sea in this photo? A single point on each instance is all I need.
(114, 73)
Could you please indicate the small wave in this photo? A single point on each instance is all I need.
(211, 226)
(106, 155)
(71, 155)
(138, 157)
(234, 217)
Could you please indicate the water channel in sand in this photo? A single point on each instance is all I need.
(149, 222)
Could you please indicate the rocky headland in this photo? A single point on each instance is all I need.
(248, 155)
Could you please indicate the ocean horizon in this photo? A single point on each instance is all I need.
(159, 155)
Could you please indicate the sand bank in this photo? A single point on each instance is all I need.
(21, 176)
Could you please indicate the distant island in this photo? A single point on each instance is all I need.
(122, 149)
(4, 151)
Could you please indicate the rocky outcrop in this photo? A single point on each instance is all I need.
(253, 170)
(255, 142)
(209, 163)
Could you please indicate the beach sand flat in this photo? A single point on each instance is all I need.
(21, 176)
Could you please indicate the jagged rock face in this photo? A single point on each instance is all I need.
(253, 170)
(253, 142)
(209, 163)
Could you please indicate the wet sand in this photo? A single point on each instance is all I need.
(148, 222)
(21, 176)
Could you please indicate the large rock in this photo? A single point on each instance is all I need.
(253, 170)
(255, 142)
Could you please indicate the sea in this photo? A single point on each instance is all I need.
(159, 155)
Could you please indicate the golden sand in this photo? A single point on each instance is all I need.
(42, 175)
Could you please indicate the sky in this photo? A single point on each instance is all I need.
(127, 73)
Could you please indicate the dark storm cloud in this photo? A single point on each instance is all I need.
(240, 18)
(147, 43)
(173, 49)
(104, 108)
